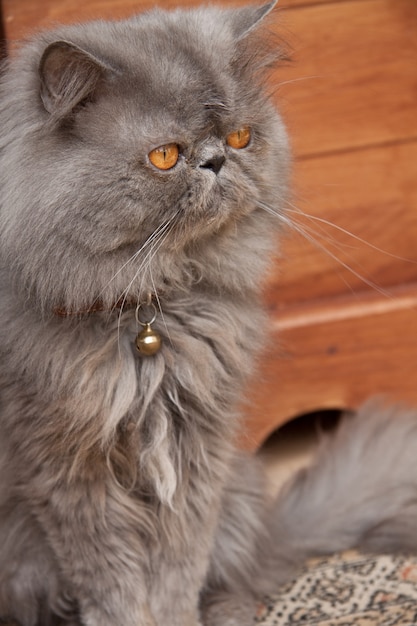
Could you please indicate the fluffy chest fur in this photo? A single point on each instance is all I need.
(163, 418)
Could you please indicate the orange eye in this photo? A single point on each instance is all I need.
(239, 138)
(165, 157)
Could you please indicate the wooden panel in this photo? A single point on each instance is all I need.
(335, 357)
(354, 73)
(23, 16)
(371, 193)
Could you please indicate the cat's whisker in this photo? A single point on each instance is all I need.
(317, 241)
(319, 228)
(155, 244)
(123, 298)
(297, 80)
(158, 301)
(311, 236)
(275, 88)
(323, 235)
(134, 256)
(296, 210)
(155, 237)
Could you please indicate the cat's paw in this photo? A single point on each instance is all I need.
(225, 609)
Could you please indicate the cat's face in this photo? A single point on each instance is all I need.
(151, 135)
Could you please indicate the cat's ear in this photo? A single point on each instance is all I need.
(68, 76)
(248, 18)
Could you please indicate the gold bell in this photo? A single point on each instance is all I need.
(148, 341)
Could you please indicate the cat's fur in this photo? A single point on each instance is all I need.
(122, 499)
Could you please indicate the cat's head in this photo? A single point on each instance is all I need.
(134, 156)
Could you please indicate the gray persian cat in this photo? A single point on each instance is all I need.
(143, 175)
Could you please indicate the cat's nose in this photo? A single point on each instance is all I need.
(214, 163)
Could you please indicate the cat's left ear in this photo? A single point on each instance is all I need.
(248, 18)
(68, 76)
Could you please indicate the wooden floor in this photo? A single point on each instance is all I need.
(343, 307)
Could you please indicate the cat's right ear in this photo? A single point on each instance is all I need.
(248, 18)
(68, 76)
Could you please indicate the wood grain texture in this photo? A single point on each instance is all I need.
(335, 355)
(372, 193)
(23, 16)
(353, 81)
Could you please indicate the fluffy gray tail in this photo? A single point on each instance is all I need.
(359, 492)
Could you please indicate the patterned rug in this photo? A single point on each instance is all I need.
(347, 590)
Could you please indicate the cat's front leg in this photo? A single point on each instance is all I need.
(175, 595)
(100, 538)
(180, 566)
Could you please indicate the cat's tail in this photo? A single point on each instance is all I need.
(359, 492)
